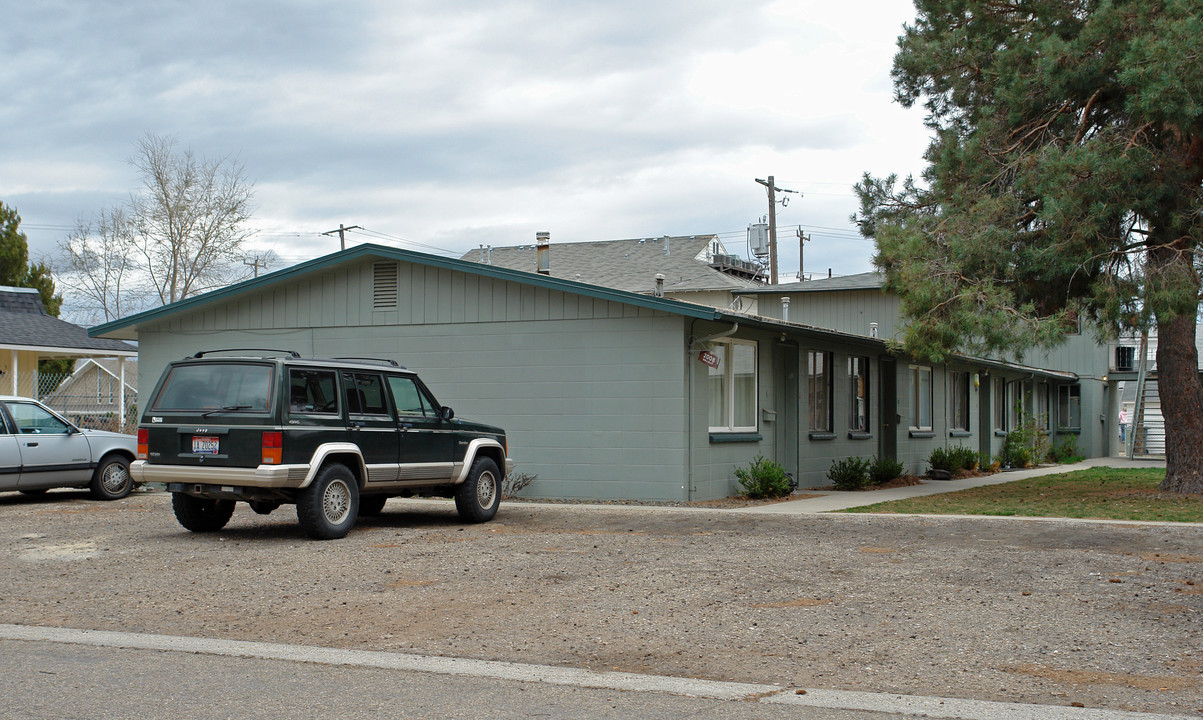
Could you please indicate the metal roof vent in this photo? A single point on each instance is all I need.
(543, 249)
(659, 291)
(384, 285)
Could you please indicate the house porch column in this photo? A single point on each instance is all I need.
(121, 394)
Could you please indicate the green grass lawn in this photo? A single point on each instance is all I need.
(1095, 493)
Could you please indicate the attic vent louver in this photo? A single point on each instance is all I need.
(384, 285)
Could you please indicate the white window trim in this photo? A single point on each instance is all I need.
(1016, 411)
(729, 386)
(915, 400)
(953, 377)
(1061, 422)
(1043, 413)
(828, 393)
(998, 396)
(853, 395)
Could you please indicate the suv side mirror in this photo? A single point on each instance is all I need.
(446, 413)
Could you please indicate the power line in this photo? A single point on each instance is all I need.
(394, 238)
(38, 226)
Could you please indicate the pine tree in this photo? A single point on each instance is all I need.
(1064, 182)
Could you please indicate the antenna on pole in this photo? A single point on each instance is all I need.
(342, 234)
(773, 190)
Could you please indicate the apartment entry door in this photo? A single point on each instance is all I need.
(888, 382)
(788, 408)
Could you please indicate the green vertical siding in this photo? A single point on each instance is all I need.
(592, 399)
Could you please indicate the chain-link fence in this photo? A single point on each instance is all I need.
(91, 400)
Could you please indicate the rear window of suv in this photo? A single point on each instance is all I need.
(214, 386)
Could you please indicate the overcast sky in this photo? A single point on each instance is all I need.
(440, 126)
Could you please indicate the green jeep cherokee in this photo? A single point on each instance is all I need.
(336, 437)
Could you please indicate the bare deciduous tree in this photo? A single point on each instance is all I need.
(101, 272)
(188, 223)
(181, 235)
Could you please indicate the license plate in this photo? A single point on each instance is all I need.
(204, 445)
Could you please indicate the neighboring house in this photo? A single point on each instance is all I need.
(91, 396)
(29, 334)
(1086, 408)
(604, 393)
(695, 268)
(1139, 379)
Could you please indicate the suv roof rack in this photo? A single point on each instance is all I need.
(382, 361)
(290, 353)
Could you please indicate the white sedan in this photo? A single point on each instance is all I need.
(39, 450)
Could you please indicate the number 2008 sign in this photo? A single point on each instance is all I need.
(708, 358)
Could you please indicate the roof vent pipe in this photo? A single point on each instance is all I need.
(872, 329)
(667, 239)
(543, 251)
(785, 308)
(659, 291)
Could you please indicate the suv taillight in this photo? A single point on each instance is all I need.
(273, 443)
(143, 443)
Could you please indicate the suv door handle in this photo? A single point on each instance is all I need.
(355, 424)
(405, 426)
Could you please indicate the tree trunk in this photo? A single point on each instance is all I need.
(1181, 404)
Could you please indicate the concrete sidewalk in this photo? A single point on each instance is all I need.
(830, 500)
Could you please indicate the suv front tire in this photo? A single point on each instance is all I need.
(477, 497)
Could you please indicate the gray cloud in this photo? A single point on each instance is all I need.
(449, 122)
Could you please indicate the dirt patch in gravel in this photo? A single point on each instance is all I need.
(986, 608)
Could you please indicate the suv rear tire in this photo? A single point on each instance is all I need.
(328, 507)
(477, 497)
(201, 514)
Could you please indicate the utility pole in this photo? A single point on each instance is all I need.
(802, 240)
(259, 261)
(342, 234)
(773, 190)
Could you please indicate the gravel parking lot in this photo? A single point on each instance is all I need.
(1060, 612)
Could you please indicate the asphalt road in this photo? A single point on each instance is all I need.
(82, 675)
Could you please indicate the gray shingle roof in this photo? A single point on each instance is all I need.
(25, 323)
(628, 265)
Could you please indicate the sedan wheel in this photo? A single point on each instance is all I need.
(111, 480)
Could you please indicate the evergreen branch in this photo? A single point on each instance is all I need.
(1086, 116)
